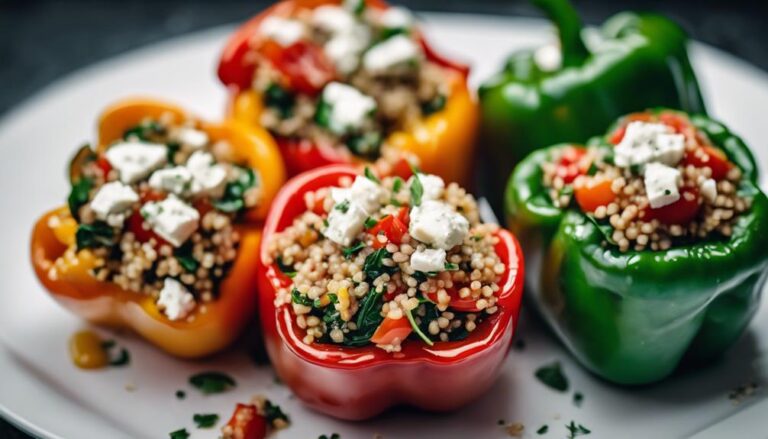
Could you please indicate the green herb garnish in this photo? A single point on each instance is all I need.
(417, 190)
(180, 394)
(578, 398)
(184, 255)
(298, 298)
(370, 223)
(332, 436)
(576, 430)
(435, 105)
(78, 196)
(343, 206)
(98, 234)
(592, 169)
(212, 382)
(323, 114)
(451, 266)
(365, 145)
(144, 131)
(122, 359)
(273, 412)
(374, 266)
(206, 420)
(180, 434)
(371, 176)
(543, 429)
(349, 251)
(280, 99)
(234, 193)
(416, 328)
(368, 319)
(397, 184)
(552, 376)
(285, 268)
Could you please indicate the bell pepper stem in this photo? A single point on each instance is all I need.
(569, 26)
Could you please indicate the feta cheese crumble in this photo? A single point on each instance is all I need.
(348, 107)
(135, 160)
(433, 186)
(427, 260)
(172, 219)
(333, 19)
(113, 198)
(645, 142)
(282, 30)
(390, 53)
(175, 300)
(345, 49)
(436, 223)
(396, 17)
(709, 190)
(191, 138)
(176, 180)
(345, 221)
(661, 184)
(208, 177)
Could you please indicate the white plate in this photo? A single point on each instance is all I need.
(44, 393)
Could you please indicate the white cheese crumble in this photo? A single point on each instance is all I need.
(548, 57)
(135, 160)
(433, 186)
(437, 223)
(349, 108)
(428, 260)
(113, 198)
(175, 300)
(191, 138)
(284, 31)
(661, 184)
(709, 190)
(208, 177)
(390, 53)
(645, 142)
(345, 221)
(333, 19)
(396, 17)
(344, 49)
(172, 219)
(176, 180)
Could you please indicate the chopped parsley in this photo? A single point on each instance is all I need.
(323, 114)
(552, 376)
(98, 234)
(371, 176)
(280, 99)
(206, 420)
(184, 255)
(543, 429)
(417, 190)
(234, 193)
(451, 266)
(180, 434)
(397, 184)
(365, 145)
(578, 398)
(212, 382)
(370, 223)
(300, 299)
(576, 430)
(144, 131)
(592, 169)
(273, 412)
(343, 206)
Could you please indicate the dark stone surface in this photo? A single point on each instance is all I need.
(41, 41)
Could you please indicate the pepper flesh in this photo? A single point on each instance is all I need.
(448, 133)
(636, 61)
(633, 317)
(361, 382)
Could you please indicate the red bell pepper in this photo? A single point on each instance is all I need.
(361, 382)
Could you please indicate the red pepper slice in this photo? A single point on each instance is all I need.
(682, 211)
(392, 329)
(458, 303)
(360, 382)
(393, 227)
(246, 423)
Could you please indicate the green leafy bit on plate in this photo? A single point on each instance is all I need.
(212, 382)
(578, 398)
(552, 376)
(543, 429)
(180, 434)
(332, 436)
(180, 394)
(575, 430)
(205, 420)
(275, 415)
(397, 184)
(343, 207)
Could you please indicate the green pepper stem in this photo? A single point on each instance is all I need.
(569, 26)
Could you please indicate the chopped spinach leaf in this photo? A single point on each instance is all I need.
(417, 190)
(365, 145)
(173, 148)
(604, 228)
(543, 429)
(552, 376)
(285, 268)
(370, 223)
(451, 266)
(280, 99)
(332, 436)
(371, 176)
(348, 252)
(122, 359)
(416, 328)
(323, 114)
(368, 319)
(83, 156)
(205, 420)
(397, 184)
(180, 434)
(592, 169)
(374, 266)
(298, 298)
(576, 430)
(357, 7)
(78, 196)
(273, 412)
(183, 254)
(98, 234)
(232, 200)
(435, 105)
(212, 382)
(144, 131)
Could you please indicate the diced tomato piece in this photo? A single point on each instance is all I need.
(104, 165)
(681, 211)
(457, 302)
(594, 193)
(304, 65)
(572, 164)
(402, 169)
(712, 158)
(135, 222)
(391, 329)
(404, 215)
(390, 226)
(247, 423)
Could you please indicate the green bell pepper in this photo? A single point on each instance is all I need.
(632, 317)
(633, 62)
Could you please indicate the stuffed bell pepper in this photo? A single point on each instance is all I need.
(647, 247)
(384, 291)
(351, 83)
(160, 234)
(571, 91)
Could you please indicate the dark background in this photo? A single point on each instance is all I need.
(41, 41)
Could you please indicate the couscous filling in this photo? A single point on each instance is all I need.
(154, 213)
(662, 184)
(385, 261)
(345, 77)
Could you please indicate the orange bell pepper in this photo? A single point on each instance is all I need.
(66, 272)
(250, 144)
(443, 141)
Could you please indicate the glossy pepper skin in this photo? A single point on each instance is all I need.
(632, 317)
(449, 132)
(361, 382)
(105, 303)
(639, 61)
